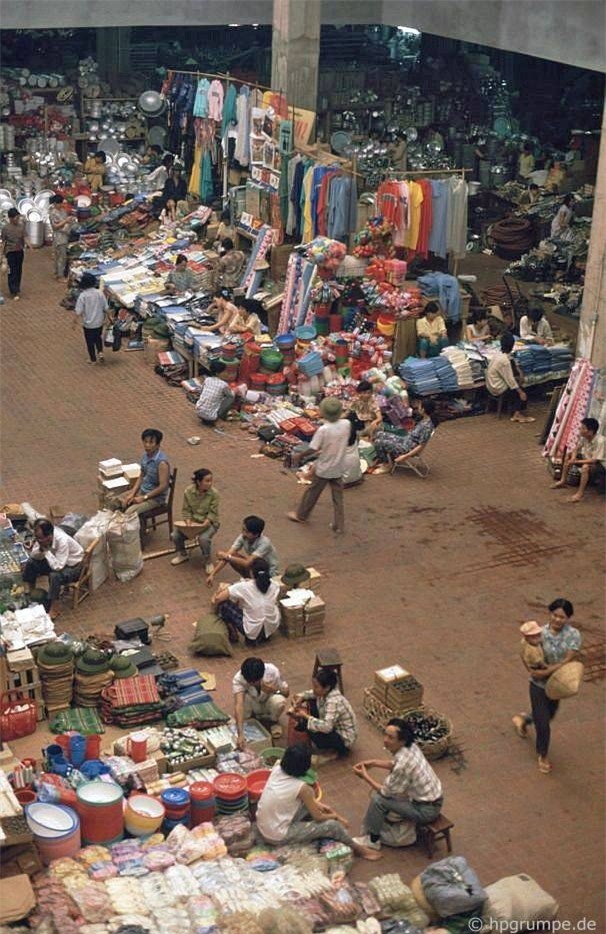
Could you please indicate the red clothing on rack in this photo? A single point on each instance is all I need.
(426, 218)
(391, 205)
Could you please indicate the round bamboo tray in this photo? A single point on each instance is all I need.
(432, 749)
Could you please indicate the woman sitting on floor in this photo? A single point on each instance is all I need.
(392, 449)
(250, 606)
(326, 716)
(289, 813)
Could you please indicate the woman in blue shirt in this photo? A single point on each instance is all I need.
(561, 644)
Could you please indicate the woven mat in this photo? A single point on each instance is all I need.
(200, 714)
(80, 719)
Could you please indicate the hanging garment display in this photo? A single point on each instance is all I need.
(572, 409)
(201, 101)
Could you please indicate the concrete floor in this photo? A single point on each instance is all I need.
(435, 575)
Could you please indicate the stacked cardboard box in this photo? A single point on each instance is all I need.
(114, 479)
(302, 619)
(394, 691)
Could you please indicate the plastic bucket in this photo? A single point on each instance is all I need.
(256, 782)
(136, 746)
(93, 768)
(143, 815)
(77, 749)
(59, 847)
(100, 810)
(93, 746)
(25, 796)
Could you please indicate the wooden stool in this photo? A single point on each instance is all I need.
(438, 829)
(329, 658)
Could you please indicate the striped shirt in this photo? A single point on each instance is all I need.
(412, 777)
(334, 713)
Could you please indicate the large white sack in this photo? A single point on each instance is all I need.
(125, 546)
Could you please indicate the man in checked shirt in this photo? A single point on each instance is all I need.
(412, 789)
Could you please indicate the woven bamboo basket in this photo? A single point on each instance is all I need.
(378, 713)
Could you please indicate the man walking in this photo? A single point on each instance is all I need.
(13, 246)
(330, 444)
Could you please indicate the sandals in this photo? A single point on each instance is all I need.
(545, 766)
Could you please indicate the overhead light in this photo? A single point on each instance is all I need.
(233, 24)
(410, 30)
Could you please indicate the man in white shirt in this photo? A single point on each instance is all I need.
(588, 457)
(55, 555)
(500, 380)
(258, 690)
(330, 443)
(535, 327)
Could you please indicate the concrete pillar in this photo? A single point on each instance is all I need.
(591, 342)
(295, 51)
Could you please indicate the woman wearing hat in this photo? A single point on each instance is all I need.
(326, 716)
(561, 643)
(330, 444)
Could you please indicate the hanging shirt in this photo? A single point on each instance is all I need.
(201, 101)
(439, 212)
(308, 226)
(229, 110)
(456, 228)
(296, 196)
(342, 207)
(426, 217)
(215, 101)
(242, 151)
(415, 200)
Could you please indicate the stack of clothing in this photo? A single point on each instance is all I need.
(562, 359)
(461, 365)
(93, 674)
(446, 374)
(55, 663)
(130, 702)
(534, 360)
(429, 376)
(180, 688)
(420, 375)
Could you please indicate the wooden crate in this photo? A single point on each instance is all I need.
(23, 679)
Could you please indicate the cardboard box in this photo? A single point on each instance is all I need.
(197, 762)
(116, 485)
(131, 471)
(257, 745)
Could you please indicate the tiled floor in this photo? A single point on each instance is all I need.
(433, 574)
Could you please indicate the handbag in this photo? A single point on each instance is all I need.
(565, 682)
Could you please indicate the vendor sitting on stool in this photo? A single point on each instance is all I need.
(326, 716)
(216, 398)
(412, 789)
(180, 279)
(200, 508)
(587, 457)
(500, 380)
(431, 331)
(55, 555)
(289, 813)
(258, 690)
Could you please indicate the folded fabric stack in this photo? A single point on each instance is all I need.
(461, 365)
(83, 720)
(180, 688)
(132, 701)
(198, 715)
(429, 376)
(420, 375)
(534, 360)
(562, 359)
(93, 675)
(446, 374)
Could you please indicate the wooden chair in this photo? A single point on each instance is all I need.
(82, 588)
(152, 516)
(417, 463)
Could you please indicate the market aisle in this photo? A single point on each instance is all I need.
(433, 574)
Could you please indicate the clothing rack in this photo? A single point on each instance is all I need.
(220, 77)
(328, 160)
(424, 172)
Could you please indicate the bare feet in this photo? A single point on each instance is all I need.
(294, 517)
(520, 725)
(323, 758)
(545, 765)
(575, 499)
(523, 419)
(558, 485)
(372, 855)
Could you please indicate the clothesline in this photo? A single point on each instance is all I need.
(220, 77)
(424, 172)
